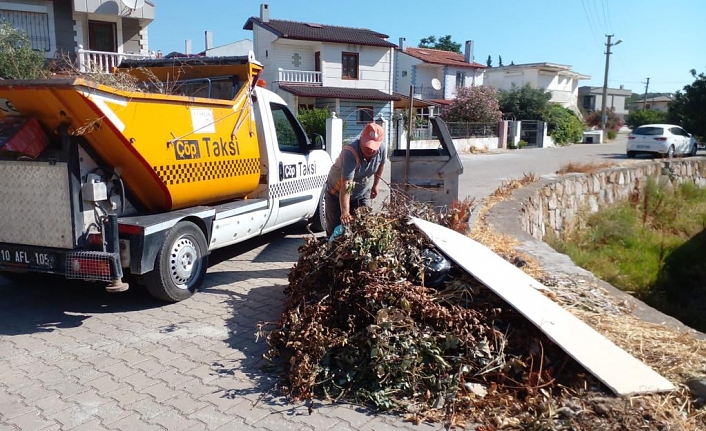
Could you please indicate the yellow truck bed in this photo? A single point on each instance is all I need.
(172, 151)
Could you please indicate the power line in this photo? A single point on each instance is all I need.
(605, 17)
(590, 24)
(596, 14)
(607, 6)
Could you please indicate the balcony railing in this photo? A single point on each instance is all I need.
(428, 93)
(103, 62)
(299, 76)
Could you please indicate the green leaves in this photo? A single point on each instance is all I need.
(17, 59)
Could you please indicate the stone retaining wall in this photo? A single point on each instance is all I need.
(554, 205)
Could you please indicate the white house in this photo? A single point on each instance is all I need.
(342, 69)
(591, 99)
(426, 68)
(658, 103)
(99, 32)
(558, 79)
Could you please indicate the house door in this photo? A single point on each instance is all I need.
(102, 36)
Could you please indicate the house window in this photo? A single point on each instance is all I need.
(317, 61)
(365, 114)
(588, 103)
(34, 24)
(460, 79)
(102, 36)
(349, 65)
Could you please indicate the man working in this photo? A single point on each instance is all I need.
(349, 184)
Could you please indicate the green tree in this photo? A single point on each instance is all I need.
(17, 59)
(641, 117)
(474, 104)
(500, 61)
(444, 43)
(688, 109)
(489, 61)
(563, 125)
(524, 103)
(313, 121)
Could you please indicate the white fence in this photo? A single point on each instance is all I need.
(299, 76)
(103, 62)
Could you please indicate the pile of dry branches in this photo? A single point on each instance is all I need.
(362, 325)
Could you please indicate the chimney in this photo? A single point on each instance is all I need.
(265, 12)
(403, 45)
(468, 53)
(622, 87)
(209, 40)
(187, 47)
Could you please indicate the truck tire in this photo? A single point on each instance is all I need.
(318, 221)
(181, 264)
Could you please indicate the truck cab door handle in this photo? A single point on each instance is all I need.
(281, 171)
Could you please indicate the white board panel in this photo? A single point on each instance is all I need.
(621, 372)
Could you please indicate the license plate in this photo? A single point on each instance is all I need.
(643, 147)
(16, 257)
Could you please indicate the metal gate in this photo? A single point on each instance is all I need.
(532, 132)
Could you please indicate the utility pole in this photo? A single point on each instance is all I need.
(644, 104)
(604, 114)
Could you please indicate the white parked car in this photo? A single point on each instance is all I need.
(665, 140)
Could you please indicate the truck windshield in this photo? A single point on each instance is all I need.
(290, 136)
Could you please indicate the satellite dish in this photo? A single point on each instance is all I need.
(436, 84)
(133, 4)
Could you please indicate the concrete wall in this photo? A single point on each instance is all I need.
(555, 204)
(462, 145)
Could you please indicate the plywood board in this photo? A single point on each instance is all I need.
(621, 372)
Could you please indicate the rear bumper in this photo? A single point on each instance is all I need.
(647, 148)
(72, 264)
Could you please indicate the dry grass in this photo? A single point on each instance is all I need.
(584, 168)
(677, 355)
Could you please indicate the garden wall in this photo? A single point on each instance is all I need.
(555, 204)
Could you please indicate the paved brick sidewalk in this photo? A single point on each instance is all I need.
(73, 357)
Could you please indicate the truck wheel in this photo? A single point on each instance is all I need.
(181, 264)
(318, 221)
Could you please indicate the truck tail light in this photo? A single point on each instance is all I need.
(660, 139)
(88, 266)
(95, 239)
(129, 229)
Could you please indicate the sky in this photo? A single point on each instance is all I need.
(661, 40)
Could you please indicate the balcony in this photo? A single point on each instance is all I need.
(428, 93)
(299, 77)
(103, 62)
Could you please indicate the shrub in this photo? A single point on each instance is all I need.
(314, 121)
(524, 103)
(612, 134)
(474, 104)
(18, 60)
(563, 125)
(613, 122)
(638, 118)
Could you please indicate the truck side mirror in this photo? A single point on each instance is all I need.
(319, 142)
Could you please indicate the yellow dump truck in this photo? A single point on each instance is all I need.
(98, 182)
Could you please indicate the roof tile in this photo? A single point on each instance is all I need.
(437, 56)
(321, 32)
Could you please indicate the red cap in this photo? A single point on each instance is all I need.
(372, 136)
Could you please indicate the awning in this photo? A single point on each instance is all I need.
(416, 103)
(338, 92)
